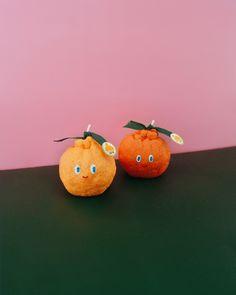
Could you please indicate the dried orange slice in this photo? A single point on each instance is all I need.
(109, 149)
(177, 138)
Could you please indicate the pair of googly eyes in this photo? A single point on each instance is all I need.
(93, 169)
(139, 158)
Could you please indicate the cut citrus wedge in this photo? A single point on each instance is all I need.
(177, 138)
(109, 149)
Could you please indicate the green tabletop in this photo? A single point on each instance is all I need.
(171, 235)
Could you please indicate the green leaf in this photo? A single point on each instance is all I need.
(159, 129)
(62, 139)
(95, 136)
(164, 131)
(135, 125)
(138, 126)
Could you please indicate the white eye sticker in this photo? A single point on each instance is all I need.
(77, 169)
(177, 138)
(138, 158)
(109, 149)
(93, 168)
(151, 158)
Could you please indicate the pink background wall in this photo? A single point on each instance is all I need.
(64, 64)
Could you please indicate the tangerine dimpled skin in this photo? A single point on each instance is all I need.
(85, 169)
(144, 154)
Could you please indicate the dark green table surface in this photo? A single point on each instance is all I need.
(171, 235)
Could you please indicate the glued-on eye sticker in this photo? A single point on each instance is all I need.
(177, 138)
(109, 149)
(138, 158)
(93, 168)
(150, 158)
(77, 169)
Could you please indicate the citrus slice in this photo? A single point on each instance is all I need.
(177, 138)
(109, 149)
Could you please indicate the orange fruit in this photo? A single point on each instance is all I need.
(85, 169)
(144, 154)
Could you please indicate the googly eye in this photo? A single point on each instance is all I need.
(93, 169)
(138, 158)
(150, 158)
(77, 169)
